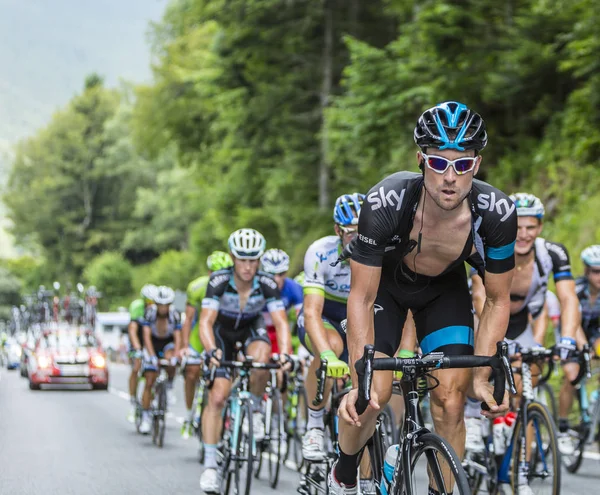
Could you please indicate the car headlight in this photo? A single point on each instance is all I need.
(44, 362)
(98, 361)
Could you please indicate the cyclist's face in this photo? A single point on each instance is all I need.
(528, 230)
(245, 269)
(346, 233)
(448, 190)
(280, 279)
(162, 310)
(593, 275)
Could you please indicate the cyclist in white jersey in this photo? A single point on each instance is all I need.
(326, 290)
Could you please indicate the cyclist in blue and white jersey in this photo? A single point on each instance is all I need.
(162, 325)
(326, 290)
(277, 263)
(232, 312)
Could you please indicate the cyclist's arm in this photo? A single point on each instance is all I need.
(539, 325)
(313, 322)
(570, 316)
(282, 328)
(177, 333)
(363, 291)
(148, 341)
(133, 335)
(478, 294)
(186, 329)
(208, 317)
(494, 316)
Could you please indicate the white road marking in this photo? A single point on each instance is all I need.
(125, 396)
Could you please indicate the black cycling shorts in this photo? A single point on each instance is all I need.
(162, 345)
(227, 339)
(441, 307)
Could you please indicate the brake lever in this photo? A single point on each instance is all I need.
(364, 370)
(502, 353)
(321, 377)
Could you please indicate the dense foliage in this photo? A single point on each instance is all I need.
(262, 111)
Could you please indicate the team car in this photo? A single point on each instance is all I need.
(68, 356)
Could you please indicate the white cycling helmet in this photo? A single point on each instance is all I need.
(528, 205)
(591, 255)
(164, 295)
(148, 291)
(247, 244)
(275, 261)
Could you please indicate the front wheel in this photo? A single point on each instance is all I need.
(446, 475)
(544, 457)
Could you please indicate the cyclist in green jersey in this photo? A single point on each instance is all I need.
(191, 346)
(136, 313)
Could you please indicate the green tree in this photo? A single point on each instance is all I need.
(112, 275)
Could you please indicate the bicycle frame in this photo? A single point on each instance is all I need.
(239, 395)
(527, 398)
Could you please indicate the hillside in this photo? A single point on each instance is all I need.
(48, 47)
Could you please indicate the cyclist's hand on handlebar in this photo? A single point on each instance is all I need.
(565, 347)
(336, 368)
(483, 390)
(183, 352)
(347, 410)
(215, 357)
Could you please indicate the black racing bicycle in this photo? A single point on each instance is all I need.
(417, 441)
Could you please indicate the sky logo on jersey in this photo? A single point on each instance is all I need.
(503, 206)
(382, 198)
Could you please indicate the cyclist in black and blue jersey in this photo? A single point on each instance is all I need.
(231, 313)
(414, 234)
(162, 325)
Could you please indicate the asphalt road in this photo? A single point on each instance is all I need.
(73, 442)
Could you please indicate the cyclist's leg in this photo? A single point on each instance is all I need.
(258, 345)
(314, 439)
(567, 394)
(134, 333)
(217, 397)
(389, 321)
(192, 371)
(445, 323)
(337, 344)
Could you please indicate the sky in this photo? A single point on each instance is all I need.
(48, 47)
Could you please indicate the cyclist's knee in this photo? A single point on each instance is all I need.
(260, 351)
(335, 342)
(192, 372)
(218, 397)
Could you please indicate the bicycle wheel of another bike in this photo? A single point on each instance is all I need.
(244, 453)
(297, 429)
(162, 406)
(154, 428)
(440, 458)
(543, 475)
(545, 395)
(277, 438)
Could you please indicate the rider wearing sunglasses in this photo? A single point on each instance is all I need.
(588, 291)
(414, 234)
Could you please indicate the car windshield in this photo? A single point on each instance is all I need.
(67, 340)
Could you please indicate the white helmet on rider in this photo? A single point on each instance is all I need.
(164, 295)
(275, 261)
(148, 291)
(528, 205)
(247, 244)
(591, 255)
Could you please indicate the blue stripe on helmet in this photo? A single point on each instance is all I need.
(452, 118)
